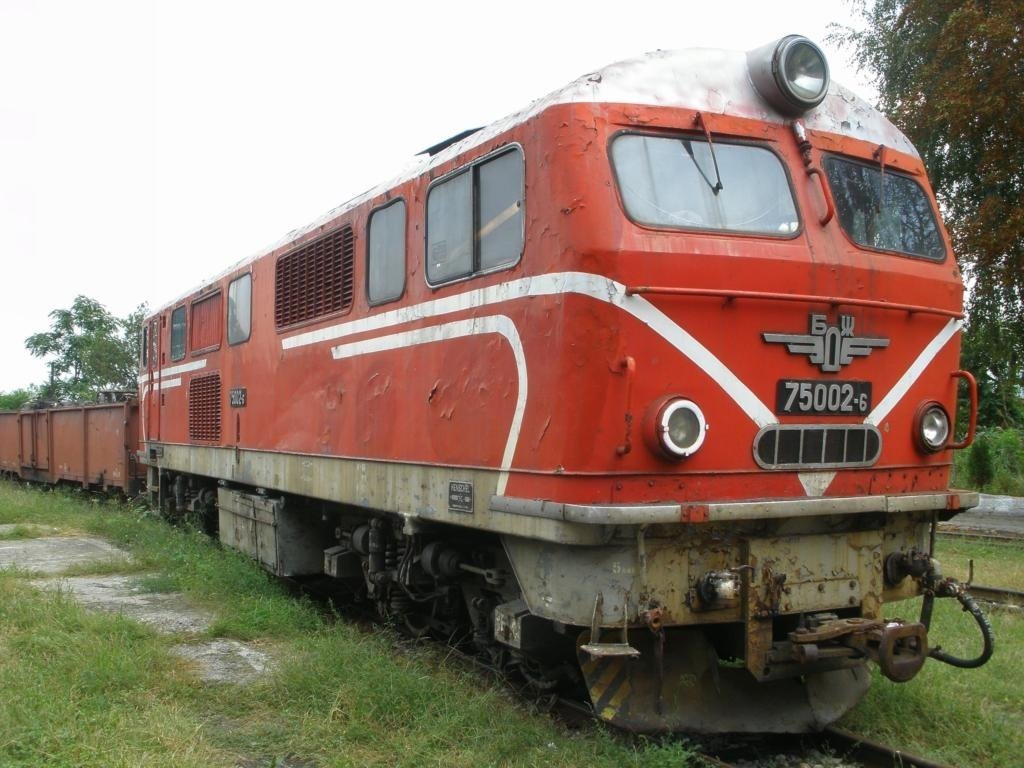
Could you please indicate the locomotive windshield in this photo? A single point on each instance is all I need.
(673, 182)
(887, 210)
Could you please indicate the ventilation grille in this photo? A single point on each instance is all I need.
(204, 408)
(314, 280)
(796, 446)
(206, 322)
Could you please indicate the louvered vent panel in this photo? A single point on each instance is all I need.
(204, 408)
(815, 446)
(315, 280)
(206, 322)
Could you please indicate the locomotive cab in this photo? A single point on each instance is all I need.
(783, 365)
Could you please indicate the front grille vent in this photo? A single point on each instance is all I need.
(315, 280)
(204, 408)
(816, 446)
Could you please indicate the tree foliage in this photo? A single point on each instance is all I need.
(15, 399)
(950, 74)
(89, 350)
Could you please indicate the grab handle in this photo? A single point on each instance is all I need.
(830, 204)
(972, 426)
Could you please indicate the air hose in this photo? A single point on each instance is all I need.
(953, 588)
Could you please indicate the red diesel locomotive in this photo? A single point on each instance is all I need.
(646, 388)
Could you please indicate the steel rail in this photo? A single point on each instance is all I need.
(997, 595)
(993, 534)
(873, 754)
(850, 747)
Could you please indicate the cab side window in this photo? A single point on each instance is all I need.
(178, 333)
(385, 253)
(240, 309)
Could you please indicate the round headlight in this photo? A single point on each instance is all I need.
(802, 70)
(680, 428)
(791, 74)
(933, 427)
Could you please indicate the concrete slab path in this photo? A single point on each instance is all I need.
(217, 660)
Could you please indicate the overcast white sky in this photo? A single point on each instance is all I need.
(145, 145)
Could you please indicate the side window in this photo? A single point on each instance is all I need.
(144, 347)
(240, 309)
(153, 343)
(450, 229)
(178, 333)
(475, 219)
(500, 204)
(385, 253)
(206, 315)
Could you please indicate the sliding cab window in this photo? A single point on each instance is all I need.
(144, 347)
(178, 333)
(475, 219)
(385, 253)
(683, 182)
(240, 309)
(887, 211)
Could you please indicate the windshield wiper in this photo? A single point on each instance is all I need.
(687, 145)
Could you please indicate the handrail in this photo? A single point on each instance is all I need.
(830, 205)
(633, 290)
(972, 422)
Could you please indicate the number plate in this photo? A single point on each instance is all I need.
(829, 398)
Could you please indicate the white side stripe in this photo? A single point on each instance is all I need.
(582, 283)
(476, 326)
(913, 373)
(161, 382)
(174, 370)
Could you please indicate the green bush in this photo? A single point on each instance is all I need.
(993, 464)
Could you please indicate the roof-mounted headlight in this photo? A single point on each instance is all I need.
(791, 74)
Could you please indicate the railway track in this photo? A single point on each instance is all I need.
(834, 743)
(833, 747)
(1012, 598)
(993, 534)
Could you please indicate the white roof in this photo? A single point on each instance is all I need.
(709, 80)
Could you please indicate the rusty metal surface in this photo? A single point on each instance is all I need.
(91, 445)
(721, 511)
(408, 490)
(10, 438)
(692, 692)
(287, 540)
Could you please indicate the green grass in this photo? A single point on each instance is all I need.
(106, 567)
(20, 531)
(961, 717)
(82, 689)
(99, 690)
(996, 563)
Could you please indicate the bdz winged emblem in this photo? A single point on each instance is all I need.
(830, 347)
